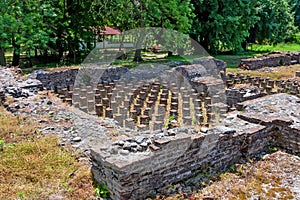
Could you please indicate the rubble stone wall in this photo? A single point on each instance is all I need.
(289, 139)
(62, 78)
(270, 60)
(2, 96)
(178, 160)
(235, 96)
(169, 159)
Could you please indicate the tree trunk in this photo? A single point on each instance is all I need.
(244, 45)
(138, 51)
(16, 55)
(138, 55)
(29, 59)
(2, 57)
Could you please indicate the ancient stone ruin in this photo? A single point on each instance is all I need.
(2, 96)
(241, 88)
(144, 105)
(175, 126)
(273, 59)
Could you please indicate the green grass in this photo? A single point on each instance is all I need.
(233, 60)
(33, 166)
(285, 47)
(128, 62)
(162, 58)
(256, 50)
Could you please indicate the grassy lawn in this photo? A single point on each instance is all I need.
(33, 166)
(231, 60)
(234, 60)
(285, 47)
(257, 50)
(161, 57)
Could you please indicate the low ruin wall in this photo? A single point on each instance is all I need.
(241, 88)
(178, 158)
(52, 79)
(2, 96)
(67, 77)
(270, 60)
(235, 96)
(183, 154)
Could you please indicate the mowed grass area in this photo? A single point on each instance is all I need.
(33, 166)
(285, 47)
(257, 50)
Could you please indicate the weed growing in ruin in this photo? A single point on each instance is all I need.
(194, 121)
(1, 145)
(101, 191)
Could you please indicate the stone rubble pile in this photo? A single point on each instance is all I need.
(27, 99)
(150, 142)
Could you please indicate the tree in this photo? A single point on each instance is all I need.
(223, 24)
(295, 4)
(24, 27)
(5, 21)
(276, 22)
(173, 14)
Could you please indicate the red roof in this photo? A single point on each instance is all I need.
(110, 31)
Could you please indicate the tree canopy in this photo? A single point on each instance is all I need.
(69, 26)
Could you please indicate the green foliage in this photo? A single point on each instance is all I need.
(273, 149)
(223, 25)
(20, 195)
(194, 121)
(1, 145)
(171, 118)
(101, 191)
(295, 4)
(276, 22)
(296, 38)
(70, 26)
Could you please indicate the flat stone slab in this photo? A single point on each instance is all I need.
(281, 109)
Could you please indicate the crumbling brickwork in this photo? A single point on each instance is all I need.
(270, 60)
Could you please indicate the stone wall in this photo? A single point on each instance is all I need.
(140, 163)
(201, 67)
(177, 159)
(52, 79)
(270, 60)
(2, 96)
(67, 77)
(235, 96)
(241, 88)
(171, 158)
(289, 138)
